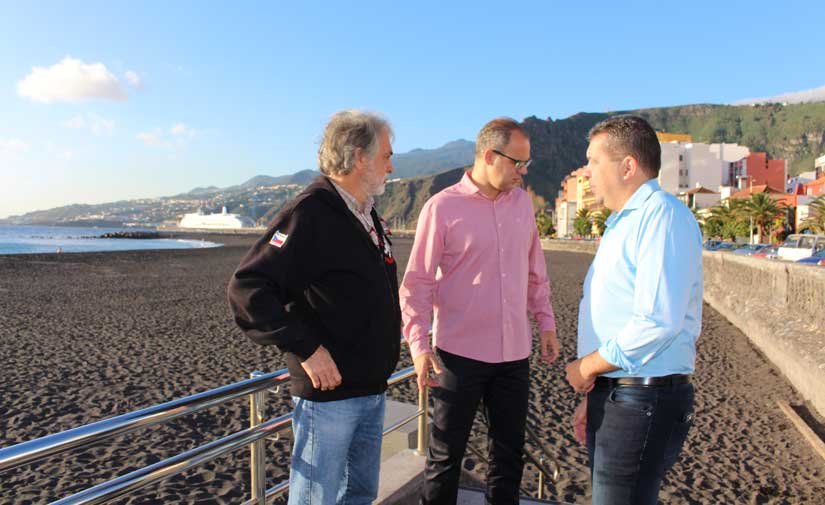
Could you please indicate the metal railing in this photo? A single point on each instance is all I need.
(256, 388)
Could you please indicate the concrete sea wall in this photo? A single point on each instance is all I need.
(781, 308)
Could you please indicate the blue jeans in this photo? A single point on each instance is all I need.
(337, 451)
(634, 435)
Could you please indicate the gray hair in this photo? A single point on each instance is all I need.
(346, 132)
(496, 134)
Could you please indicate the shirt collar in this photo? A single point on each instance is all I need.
(638, 198)
(641, 195)
(352, 202)
(468, 187)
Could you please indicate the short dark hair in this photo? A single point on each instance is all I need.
(631, 136)
(496, 134)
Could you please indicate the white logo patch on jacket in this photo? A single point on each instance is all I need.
(279, 239)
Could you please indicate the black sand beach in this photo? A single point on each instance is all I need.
(84, 337)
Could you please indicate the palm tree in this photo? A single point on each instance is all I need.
(581, 225)
(816, 216)
(763, 210)
(545, 225)
(599, 220)
(727, 221)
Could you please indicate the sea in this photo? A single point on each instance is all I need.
(70, 239)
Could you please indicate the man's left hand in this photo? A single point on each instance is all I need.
(578, 379)
(549, 346)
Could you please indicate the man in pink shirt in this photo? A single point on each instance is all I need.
(477, 263)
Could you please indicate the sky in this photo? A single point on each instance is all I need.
(103, 101)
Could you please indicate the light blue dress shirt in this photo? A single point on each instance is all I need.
(642, 303)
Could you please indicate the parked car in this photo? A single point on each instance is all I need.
(770, 252)
(719, 245)
(711, 245)
(798, 246)
(750, 249)
(726, 247)
(816, 259)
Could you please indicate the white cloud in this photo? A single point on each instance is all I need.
(182, 129)
(12, 148)
(133, 79)
(96, 124)
(153, 139)
(70, 80)
(174, 139)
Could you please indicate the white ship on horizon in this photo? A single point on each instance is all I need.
(222, 220)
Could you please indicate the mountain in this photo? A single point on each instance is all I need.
(417, 162)
(302, 178)
(792, 132)
(402, 200)
(806, 96)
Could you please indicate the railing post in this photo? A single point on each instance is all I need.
(541, 478)
(257, 468)
(423, 420)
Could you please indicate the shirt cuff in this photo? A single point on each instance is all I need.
(419, 345)
(612, 353)
(546, 323)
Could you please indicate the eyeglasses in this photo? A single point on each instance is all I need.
(519, 164)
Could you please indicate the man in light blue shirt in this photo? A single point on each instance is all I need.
(639, 319)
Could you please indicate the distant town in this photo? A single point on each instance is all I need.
(730, 189)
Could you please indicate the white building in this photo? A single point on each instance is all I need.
(565, 215)
(699, 198)
(687, 165)
(819, 166)
(799, 180)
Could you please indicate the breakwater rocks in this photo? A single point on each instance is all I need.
(134, 235)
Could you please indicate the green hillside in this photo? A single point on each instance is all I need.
(793, 132)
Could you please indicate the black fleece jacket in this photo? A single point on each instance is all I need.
(316, 278)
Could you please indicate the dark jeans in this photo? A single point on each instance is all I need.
(504, 387)
(634, 435)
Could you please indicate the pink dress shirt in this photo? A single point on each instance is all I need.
(479, 265)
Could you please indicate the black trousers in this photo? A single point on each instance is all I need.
(504, 388)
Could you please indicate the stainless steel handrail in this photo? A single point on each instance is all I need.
(539, 462)
(176, 464)
(83, 436)
(50, 445)
(256, 387)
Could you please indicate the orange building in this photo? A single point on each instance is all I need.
(815, 188)
(777, 194)
(674, 137)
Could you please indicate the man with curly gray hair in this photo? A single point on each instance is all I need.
(321, 286)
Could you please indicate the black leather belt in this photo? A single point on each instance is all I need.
(668, 380)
